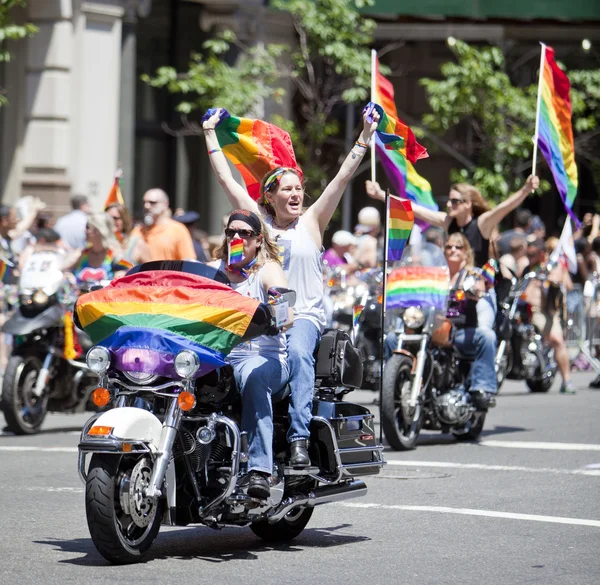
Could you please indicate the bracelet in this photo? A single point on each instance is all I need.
(214, 150)
(361, 144)
(355, 154)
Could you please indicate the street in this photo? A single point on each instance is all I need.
(521, 506)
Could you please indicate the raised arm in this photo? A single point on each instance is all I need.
(435, 218)
(237, 195)
(323, 209)
(488, 220)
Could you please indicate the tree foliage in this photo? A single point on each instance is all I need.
(495, 120)
(328, 65)
(11, 31)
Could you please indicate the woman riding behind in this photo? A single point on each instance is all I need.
(260, 365)
(299, 237)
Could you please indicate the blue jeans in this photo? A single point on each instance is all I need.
(486, 310)
(301, 339)
(481, 343)
(258, 378)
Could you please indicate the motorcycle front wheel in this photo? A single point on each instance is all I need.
(23, 410)
(122, 522)
(474, 431)
(401, 422)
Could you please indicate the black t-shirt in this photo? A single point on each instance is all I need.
(480, 245)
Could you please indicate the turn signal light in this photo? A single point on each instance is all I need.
(186, 401)
(460, 295)
(101, 397)
(100, 431)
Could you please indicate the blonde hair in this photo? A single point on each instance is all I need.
(268, 251)
(104, 223)
(472, 194)
(466, 247)
(270, 184)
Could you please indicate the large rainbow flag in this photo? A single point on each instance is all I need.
(254, 147)
(147, 318)
(400, 222)
(555, 134)
(418, 286)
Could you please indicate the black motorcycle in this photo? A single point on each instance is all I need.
(171, 450)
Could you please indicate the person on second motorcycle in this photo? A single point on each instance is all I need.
(260, 365)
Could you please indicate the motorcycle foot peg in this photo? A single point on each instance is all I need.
(244, 447)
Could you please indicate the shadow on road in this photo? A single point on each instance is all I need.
(206, 544)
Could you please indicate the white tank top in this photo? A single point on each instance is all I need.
(303, 266)
(272, 346)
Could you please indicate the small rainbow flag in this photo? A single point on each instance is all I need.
(488, 271)
(418, 286)
(115, 196)
(555, 134)
(6, 271)
(254, 147)
(400, 222)
(356, 313)
(395, 135)
(235, 251)
(121, 264)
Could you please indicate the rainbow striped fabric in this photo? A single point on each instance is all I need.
(555, 134)
(356, 313)
(147, 318)
(254, 147)
(114, 195)
(235, 251)
(400, 222)
(6, 272)
(395, 135)
(418, 286)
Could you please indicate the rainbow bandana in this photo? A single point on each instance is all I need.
(145, 319)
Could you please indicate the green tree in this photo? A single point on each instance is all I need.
(11, 31)
(328, 66)
(496, 119)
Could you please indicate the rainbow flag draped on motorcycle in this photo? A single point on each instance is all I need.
(147, 318)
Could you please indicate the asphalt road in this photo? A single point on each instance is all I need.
(521, 506)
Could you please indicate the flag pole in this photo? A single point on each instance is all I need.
(373, 91)
(537, 108)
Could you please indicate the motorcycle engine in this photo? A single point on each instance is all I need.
(453, 407)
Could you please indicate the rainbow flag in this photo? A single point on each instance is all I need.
(418, 286)
(6, 272)
(254, 147)
(400, 221)
(235, 251)
(356, 313)
(115, 196)
(555, 134)
(395, 135)
(147, 318)
(384, 92)
(121, 264)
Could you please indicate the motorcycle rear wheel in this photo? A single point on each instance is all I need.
(290, 526)
(115, 534)
(540, 385)
(24, 412)
(473, 433)
(401, 428)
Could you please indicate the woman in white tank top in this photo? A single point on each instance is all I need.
(260, 365)
(299, 235)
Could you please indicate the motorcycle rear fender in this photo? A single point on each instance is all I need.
(131, 424)
(407, 353)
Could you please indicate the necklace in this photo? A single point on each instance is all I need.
(286, 226)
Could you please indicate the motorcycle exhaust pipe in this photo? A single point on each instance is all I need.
(325, 494)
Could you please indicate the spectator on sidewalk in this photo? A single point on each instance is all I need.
(71, 227)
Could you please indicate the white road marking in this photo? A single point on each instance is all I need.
(483, 467)
(44, 449)
(471, 512)
(540, 445)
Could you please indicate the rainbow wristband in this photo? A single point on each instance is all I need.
(214, 150)
(361, 144)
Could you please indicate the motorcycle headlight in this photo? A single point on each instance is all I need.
(140, 377)
(25, 299)
(98, 359)
(413, 317)
(40, 297)
(186, 364)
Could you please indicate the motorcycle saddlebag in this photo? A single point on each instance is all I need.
(337, 362)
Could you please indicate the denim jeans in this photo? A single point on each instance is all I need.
(259, 378)
(481, 343)
(487, 309)
(301, 341)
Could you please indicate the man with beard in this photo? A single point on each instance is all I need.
(162, 237)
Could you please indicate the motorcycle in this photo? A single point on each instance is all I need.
(425, 379)
(40, 377)
(171, 450)
(522, 353)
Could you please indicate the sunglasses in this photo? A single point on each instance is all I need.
(458, 247)
(244, 234)
(455, 202)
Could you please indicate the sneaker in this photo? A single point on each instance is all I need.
(258, 486)
(595, 383)
(567, 388)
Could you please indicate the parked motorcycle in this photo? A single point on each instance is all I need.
(39, 378)
(425, 379)
(522, 353)
(171, 450)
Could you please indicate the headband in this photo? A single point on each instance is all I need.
(276, 176)
(248, 217)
